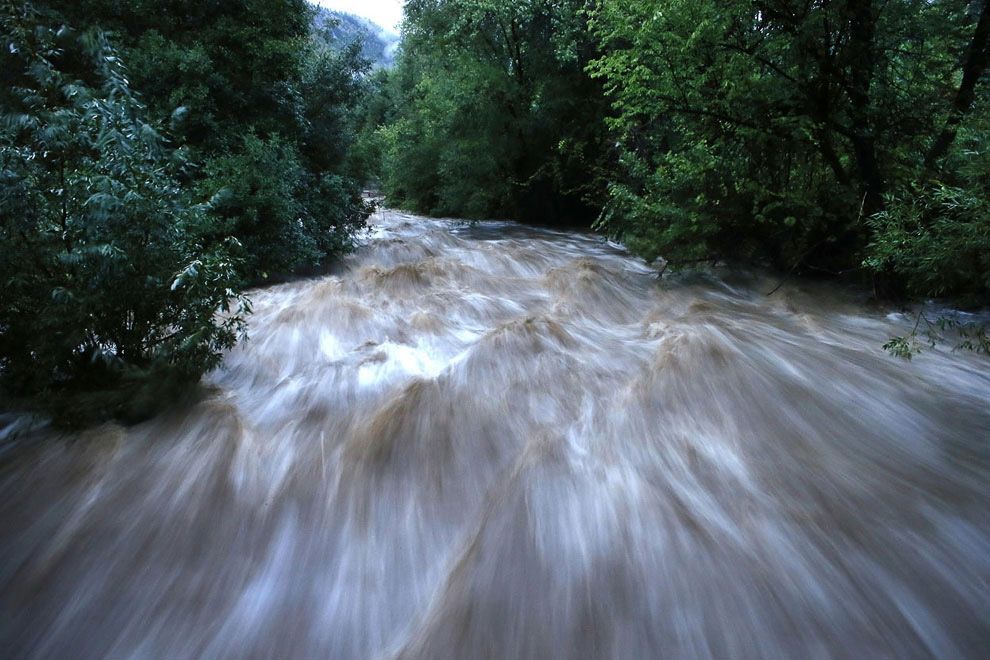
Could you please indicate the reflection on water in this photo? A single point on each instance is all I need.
(490, 441)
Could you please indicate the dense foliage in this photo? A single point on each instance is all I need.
(778, 129)
(158, 155)
(821, 137)
(110, 291)
(492, 112)
(154, 158)
(250, 86)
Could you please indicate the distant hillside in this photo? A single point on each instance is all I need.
(378, 44)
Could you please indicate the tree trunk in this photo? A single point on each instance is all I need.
(862, 17)
(977, 59)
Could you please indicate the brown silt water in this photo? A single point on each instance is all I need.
(490, 441)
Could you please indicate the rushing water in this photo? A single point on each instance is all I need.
(486, 441)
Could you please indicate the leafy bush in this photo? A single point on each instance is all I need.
(261, 103)
(934, 240)
(256, 199)
(937, 240)
(286, 217)
(934, 237)
(335, 210)
(111, 281)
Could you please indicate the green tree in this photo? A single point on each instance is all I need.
(935, 234)
(242, 84)
(111, 284)
(775, 129)
(494, 114)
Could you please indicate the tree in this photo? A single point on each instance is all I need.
(245, 84)
(494, 114)
(775, 129)
(111, 285)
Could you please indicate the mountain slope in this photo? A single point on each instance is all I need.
(377, 43)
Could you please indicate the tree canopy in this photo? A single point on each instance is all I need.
(155, 157)
(493, 113)
(818, 137)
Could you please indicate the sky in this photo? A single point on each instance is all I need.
(387, 13)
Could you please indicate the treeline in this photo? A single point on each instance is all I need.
(157, 156)
(815, 137)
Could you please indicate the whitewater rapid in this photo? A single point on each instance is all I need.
(481, 440)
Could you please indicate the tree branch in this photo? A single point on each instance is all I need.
(977, 59)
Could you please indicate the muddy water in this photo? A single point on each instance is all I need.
(493, 442)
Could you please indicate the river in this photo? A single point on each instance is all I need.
(491, 441)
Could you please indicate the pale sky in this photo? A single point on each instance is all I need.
(387, 13)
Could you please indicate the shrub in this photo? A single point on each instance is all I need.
(112, 282)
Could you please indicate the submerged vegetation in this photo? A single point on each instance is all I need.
(156, 157)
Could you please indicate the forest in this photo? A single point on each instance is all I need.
(822, 137)
(158, 158)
